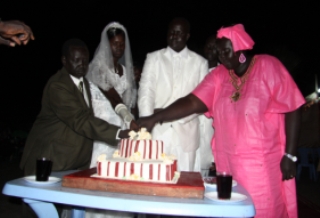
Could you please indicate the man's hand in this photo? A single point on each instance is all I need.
(134, 126)
(15, 32)
(288, 168)
(124, 134)
(146, 122)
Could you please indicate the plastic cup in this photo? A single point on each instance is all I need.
(224, 185)
(43, 169)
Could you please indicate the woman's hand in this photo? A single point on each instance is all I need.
(288, 168)
(147, 122)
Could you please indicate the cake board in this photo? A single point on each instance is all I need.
(189, 185)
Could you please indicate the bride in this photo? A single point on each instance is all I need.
(111, 82)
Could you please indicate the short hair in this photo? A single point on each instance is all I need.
(72, 43)
(112, 32)
(181, 20)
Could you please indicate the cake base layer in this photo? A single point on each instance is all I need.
(189, 185)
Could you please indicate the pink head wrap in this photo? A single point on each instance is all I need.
(238, 36)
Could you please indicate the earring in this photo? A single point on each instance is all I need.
(242, 58)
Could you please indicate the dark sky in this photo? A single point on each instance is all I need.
(289, 31)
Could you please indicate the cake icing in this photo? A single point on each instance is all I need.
(139, 158)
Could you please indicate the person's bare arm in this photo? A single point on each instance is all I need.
(179, 109)
(115, 100)
(292, 123)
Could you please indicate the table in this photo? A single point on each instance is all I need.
(41, 198)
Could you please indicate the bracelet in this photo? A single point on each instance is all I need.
(291, 157)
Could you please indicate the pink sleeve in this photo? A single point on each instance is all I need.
(285, 95)
(205, 91)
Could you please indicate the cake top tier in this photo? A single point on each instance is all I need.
(141, 135)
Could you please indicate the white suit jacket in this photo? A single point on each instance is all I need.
(157, 90)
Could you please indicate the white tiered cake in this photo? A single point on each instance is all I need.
(139, 158)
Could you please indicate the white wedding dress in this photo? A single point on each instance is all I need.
(103, 109)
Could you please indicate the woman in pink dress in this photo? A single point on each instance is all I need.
(256, 109)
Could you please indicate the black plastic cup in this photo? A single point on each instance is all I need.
(43, 169)
(224, 185)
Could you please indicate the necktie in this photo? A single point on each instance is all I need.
(80, 86)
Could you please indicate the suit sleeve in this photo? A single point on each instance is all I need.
(202, 73)
(147, 89)
(67, 107)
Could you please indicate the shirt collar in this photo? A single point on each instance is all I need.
(76, 80)
(183, 53)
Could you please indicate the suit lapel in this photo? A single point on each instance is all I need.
(186, 64)
(167, 67)
(86, 84)
(75, 89)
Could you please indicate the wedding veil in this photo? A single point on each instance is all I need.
(101, 68)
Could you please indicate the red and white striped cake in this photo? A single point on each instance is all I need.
(139, 160)
(148, 149)
(157, 171)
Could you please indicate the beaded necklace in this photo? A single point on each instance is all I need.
(234, 81)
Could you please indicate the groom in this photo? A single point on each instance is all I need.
(66, 127)
(169, 74)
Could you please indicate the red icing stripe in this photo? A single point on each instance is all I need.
(144, 149)
(161, 146)
(127, 145)
(137, 146)
(159, 171)
(99, 168)
(124, 168)
(157, 154)
(150, 149)
(131, 168)
(168, 173)
(129, 148)
(141, 170)
(108, 166)
(121, 147)
(117, 169)
(150, 171)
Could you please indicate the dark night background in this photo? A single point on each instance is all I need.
(289, 31)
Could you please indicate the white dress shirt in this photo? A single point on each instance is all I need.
(77, 81)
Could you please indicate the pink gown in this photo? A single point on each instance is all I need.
(250, 136)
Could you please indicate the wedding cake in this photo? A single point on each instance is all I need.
(139, 158)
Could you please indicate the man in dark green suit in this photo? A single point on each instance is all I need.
(66, 127)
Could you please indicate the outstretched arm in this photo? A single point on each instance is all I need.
(292, 122)
(179, 109)
(117, 104)
(14, 32)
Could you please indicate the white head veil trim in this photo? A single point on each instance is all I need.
(101, 69)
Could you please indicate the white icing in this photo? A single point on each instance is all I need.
(139, 155)
(102, 157)
(116, 154)
(141, 135)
